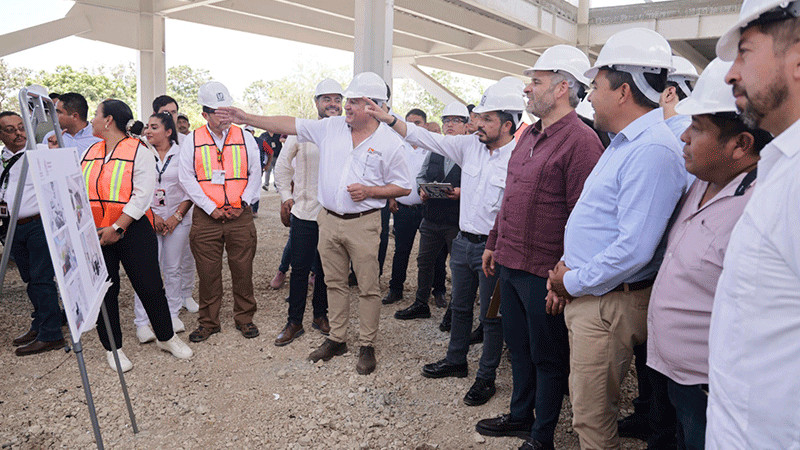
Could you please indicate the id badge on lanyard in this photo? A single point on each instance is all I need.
(218, 177)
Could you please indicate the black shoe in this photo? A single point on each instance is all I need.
(505, 425)
(476, 337)
(392, 297)
(417, 310)
(634, 426)
(442, 369)
(447, 319)
(480, 392)
(439, 300)
(352, 280)
(533, 444)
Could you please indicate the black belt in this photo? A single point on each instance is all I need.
(351, 215)
(28, 219)
(475, 238)
(635, 286)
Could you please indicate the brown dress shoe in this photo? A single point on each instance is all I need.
(26, 338)
(366, 360)
(202, 333)
(321, 324)
(249, 330)
(328, 350)
(39, 347)
(290, 332)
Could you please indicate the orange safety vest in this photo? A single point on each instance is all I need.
(232, 159)
(110, 184)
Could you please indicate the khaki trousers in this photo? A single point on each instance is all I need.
(602, 333)
(340, 242)
(207, 239)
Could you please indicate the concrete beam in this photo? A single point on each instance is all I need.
(433, 87)
(684, 49)
(20, 40)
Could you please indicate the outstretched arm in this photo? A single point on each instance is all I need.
(382, 116)
(273, 124)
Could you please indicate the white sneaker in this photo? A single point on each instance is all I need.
(191, 305)
(176, 346)
(145, 334)
(177, 325)
(124, 362)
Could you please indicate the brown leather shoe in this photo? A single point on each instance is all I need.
(328, 350)
(366, 360)
(249, 330)
(202, 333)
(39, 347)
(24, 339)
(321, 324)
(290, 332)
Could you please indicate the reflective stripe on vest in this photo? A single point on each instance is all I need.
(109, 184)
(232, 159)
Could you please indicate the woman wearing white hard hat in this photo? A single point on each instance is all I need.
(120, 177)
(722, 153)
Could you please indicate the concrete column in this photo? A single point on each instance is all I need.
(374, 24)
(152, 76)
(583, 26)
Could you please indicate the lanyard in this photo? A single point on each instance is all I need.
(746, 182)
(163, 168)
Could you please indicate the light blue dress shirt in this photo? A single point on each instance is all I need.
(678, 124)
(615, 228)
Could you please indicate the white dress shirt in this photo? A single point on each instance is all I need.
(188, 177)
(144, 182)
(168, 189)
(754, 340)
(415, 157)
(376, 161)
(299, 163)
(28, 206)
(483, 175)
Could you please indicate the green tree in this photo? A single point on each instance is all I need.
(182, 84)
(12, 79)
(409, 94)
(96, 84)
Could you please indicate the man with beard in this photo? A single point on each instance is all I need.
(483, 158)
(300, 207)
(754, 338)
(545, 177)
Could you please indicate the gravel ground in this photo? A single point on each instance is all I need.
(244, 393)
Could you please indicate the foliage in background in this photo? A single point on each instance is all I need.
(409, 94)
(11, 80)
(96, 84)
(182, 85)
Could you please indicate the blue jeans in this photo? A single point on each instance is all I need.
(539, 347)
(406, 224)
(468, 279)
(32, 257)
(305, 235)
(690, 402)
(435, 242)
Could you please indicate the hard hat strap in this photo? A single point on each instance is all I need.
(637, 73)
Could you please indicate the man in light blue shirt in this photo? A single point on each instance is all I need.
(614, 230)
(72, 111)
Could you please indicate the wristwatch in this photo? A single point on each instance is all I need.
(120, 231)
(178, 216)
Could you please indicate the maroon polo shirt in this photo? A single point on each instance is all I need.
(545, 178)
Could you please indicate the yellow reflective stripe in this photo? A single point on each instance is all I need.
(237, 163)
(87, 172)
(206, 152)
(116, 180)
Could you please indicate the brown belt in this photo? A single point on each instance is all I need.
(351, 215)
(28, 219)
(635, 286)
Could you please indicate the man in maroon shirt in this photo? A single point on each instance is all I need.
(545, 177)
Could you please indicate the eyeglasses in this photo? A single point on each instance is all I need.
(454, 120)
(11, 129)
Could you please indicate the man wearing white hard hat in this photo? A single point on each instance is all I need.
(439, 225)
(220, 169)
(546, 173)
(722, 153)
(483, 158)
(299, 163)
(361, 165)
(754, 338)
(613, 233)
(679, 86)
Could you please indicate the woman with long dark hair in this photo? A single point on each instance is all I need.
(120, 179)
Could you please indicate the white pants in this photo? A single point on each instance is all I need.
(177, 271)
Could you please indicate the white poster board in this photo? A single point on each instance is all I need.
(71, 234)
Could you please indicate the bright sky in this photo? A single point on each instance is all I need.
(186, 43)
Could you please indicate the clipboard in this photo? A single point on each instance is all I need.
(436, 190)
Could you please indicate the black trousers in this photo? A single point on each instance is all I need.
(138, 253)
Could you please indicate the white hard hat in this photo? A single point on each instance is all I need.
(367, 84)
(585, 109)
(214, 94)
(506, 95)
(712, 94)
(328, 86)
(728, 44)
(684, 72)
(564, 58)
(635, 51)
(456, 109)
